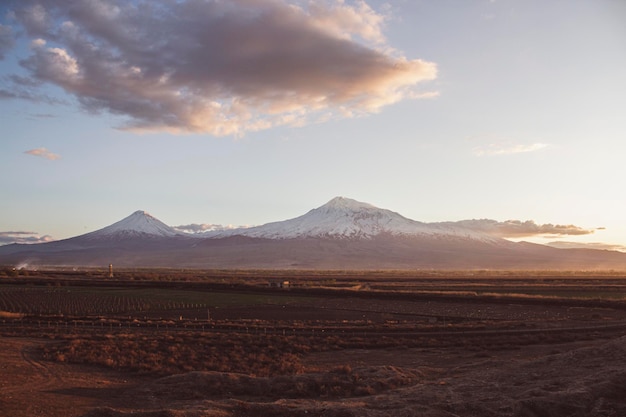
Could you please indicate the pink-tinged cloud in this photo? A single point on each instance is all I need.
(204, 227)
(220, 67)
(518, 228)
(43, 153)
(23, 237)
(587, 245)
(508, 149)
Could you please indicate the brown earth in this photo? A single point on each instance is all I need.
(369, 355)
(582, 378)
(31, 386)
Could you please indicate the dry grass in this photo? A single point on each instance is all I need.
(258, 355)
(172, 354)
(340, 382)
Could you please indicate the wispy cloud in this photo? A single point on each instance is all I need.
(518, 228)
(495, 149)
(23, 237)
(587, 245)
(223, 68)
(26, 88)
(43, 153)
(30, 95)
(204, 227)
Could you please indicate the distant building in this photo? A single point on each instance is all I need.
(110, 270)
(280, 284)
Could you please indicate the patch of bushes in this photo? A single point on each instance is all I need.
(339, 383)
(167, 355)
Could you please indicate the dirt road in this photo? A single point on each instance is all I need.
(30, 387)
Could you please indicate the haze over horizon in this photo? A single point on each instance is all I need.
(246, 113)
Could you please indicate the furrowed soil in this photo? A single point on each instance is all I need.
(318, 353)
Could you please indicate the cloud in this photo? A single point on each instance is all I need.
(6, 40)
(201, 228)
(518, 228)
(220, 67)
(30, 96)
(23, 237)
(25, 88)
(587, 245)
(495, 149)
(43, 153)
(35, 18)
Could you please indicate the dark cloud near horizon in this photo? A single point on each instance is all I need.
(23, 237)
(518, 228)
(223, 68)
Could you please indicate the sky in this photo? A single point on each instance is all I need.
(245, 112)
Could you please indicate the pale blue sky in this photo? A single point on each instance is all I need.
(524, 120)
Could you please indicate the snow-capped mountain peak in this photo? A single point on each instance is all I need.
(345, 218)
(346, 204)
(340, 218)
(342, 233)
(140, 223)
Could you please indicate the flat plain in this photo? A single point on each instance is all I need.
(312, 343)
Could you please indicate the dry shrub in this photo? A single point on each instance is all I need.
(344, 382)
(244, 409)
(167, 355)
(110, 412)
(253, 354)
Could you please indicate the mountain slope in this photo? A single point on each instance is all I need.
(138, 224)
(135, 239)
(345, 218)
(342, 234)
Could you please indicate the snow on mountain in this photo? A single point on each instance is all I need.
(343, 217)
(137, 224)
(344, 233)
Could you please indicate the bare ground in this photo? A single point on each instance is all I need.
(30, 386)
(449, 357)
(583, 378)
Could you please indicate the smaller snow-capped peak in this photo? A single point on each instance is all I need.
(138, 223)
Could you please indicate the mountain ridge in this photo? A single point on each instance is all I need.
(138, 223)
(343, 217)
(341, 234)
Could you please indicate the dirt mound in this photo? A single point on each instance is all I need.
(583, 380)
(239, 409)
(579, 383)
(340, 382)
(600, 395)
(110, 412)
